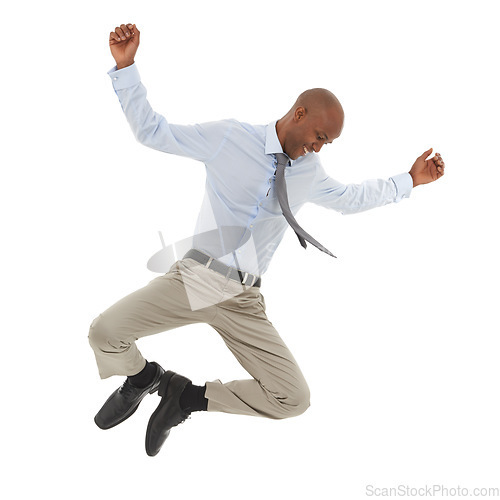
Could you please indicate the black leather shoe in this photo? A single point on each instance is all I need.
(125, 400)
(168, 414)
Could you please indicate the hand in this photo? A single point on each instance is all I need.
(124, 42)
(424, 171)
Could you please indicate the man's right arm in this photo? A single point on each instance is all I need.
(200, 141)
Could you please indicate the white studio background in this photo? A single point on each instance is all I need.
(398, 337)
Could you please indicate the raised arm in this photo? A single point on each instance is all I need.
(200, 142)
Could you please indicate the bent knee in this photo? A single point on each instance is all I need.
(97, 336)
(295, 403)
(103, 336)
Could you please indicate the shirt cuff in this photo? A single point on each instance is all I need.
(404, 185)
(125, 77)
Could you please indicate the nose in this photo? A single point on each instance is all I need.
(317, 146)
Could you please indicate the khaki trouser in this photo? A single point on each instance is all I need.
(191, 293)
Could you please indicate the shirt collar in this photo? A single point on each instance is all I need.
(272, 142)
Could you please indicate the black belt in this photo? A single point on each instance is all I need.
(227, 271)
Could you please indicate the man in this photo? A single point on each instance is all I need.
(247, 208)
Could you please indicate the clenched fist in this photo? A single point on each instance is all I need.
(124, 42)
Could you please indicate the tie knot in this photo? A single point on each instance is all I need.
(282, 159)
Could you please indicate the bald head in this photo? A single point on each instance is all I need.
(315, 100)
(316, 118)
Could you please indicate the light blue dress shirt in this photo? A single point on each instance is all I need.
(240, 221)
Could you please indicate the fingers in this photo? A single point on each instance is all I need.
(136, 34)
(438, 161)
(122, 33)
(114, 38)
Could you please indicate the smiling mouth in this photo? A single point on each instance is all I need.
(305, 149)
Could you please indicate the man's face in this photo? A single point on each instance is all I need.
(310, 131)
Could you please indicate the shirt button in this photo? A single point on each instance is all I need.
(115, 78)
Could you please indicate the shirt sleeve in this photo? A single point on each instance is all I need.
(354, 198)
(200, 142)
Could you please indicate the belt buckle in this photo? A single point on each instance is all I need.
(244, 280)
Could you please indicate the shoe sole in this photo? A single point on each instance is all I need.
(163, 385)
(128, 414)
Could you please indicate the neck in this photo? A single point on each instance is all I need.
(280, 131)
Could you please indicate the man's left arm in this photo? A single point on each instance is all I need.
(354, 198)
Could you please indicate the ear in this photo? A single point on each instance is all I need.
(300, 113)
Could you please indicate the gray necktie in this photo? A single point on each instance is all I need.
(280, 187)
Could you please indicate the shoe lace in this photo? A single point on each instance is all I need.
(126, 389)
(186, 415)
